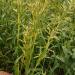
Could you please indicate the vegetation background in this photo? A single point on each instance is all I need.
(37, 37)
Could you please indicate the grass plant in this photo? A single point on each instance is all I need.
(37, 37)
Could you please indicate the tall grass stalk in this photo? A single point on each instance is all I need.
(16, 64)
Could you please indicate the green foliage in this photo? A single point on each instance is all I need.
(37, 37)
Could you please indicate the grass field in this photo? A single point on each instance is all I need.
(37, 37)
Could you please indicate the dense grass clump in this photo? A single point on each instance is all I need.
(37, 37)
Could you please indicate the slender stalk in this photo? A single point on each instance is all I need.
(18, 20)
(17, 72)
